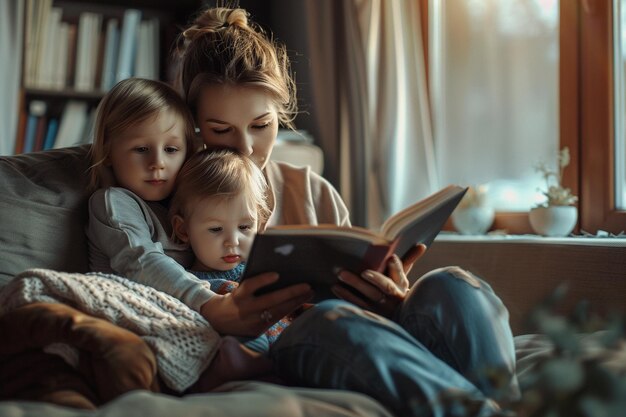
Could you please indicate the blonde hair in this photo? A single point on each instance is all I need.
(222, 46)
(219, 173)
(129, 102)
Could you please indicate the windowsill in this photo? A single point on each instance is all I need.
(534, 239)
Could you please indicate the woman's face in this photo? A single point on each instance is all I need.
(242, 118)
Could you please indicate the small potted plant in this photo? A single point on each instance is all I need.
(473, 215)
(557, 216)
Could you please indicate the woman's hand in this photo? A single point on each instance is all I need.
(381, 293)
(241, 313)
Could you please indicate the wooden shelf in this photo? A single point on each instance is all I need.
(66, 93)
(163, 19)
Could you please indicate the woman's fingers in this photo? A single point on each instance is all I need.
(386, 285)
(398, 276)
(394, 285)
(412, 256)
(346, 294)
(270, 307)
(381, 304)
(363, 285)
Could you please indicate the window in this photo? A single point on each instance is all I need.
(531, 76)
(494, 90)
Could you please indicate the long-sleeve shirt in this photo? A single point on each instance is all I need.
(129, 236)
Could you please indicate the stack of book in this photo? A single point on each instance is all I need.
(42, 131)
(74, 56)
(90, 55)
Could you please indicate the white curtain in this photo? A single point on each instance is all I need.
(371, 104)
(494, 86)
(11, 45)
(404, 160)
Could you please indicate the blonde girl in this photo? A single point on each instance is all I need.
(143, 135)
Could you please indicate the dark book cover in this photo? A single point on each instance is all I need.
(314, 260)
(316, 254)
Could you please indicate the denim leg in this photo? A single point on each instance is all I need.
(338, 345)
(458, 317)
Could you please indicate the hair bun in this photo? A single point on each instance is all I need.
(216, 20)
(238, 18)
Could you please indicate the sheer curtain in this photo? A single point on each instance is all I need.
(371, 104)
(494, 86)
(11, 35)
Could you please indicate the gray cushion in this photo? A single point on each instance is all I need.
(43, 211)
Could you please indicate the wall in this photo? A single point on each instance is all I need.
(287, 20)
(524, 271)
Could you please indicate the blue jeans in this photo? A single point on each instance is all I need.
(449, 336)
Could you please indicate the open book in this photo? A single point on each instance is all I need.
(315, 254)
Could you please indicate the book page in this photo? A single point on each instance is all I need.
(422, 222)
(434, 202)
(329, 230)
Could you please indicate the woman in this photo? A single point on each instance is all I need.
(448, 334)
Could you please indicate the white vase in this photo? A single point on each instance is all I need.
(553, 221)
(473, 220)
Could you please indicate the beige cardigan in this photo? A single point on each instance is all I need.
(300, 196)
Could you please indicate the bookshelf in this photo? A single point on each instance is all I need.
(75, 50)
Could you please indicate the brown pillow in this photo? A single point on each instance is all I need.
(112, 360)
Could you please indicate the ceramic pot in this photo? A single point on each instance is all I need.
(553, 221)
(473, 220)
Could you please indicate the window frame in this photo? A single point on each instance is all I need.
(596, 118)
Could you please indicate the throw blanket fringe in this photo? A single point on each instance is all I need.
(181, 339)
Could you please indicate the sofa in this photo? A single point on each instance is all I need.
(43, 212)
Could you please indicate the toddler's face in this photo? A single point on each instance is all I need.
(239, 117)
(220, 232)
(146, 157)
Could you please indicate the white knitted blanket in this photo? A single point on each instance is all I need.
(183, 342)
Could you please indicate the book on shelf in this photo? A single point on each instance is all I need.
(48, 60)
(37, 15)
(146, 58)
(128, 44)
(111, 47)
(89, 127)
(62, 51)
(40, 133)
(51, 133)
(29, 135)
(72, 41)
(72, 124)
(21, 132)
(35, 119)
(315, 254)
(87, 51)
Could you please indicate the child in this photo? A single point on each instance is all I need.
(218, 204)
(143, 135)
